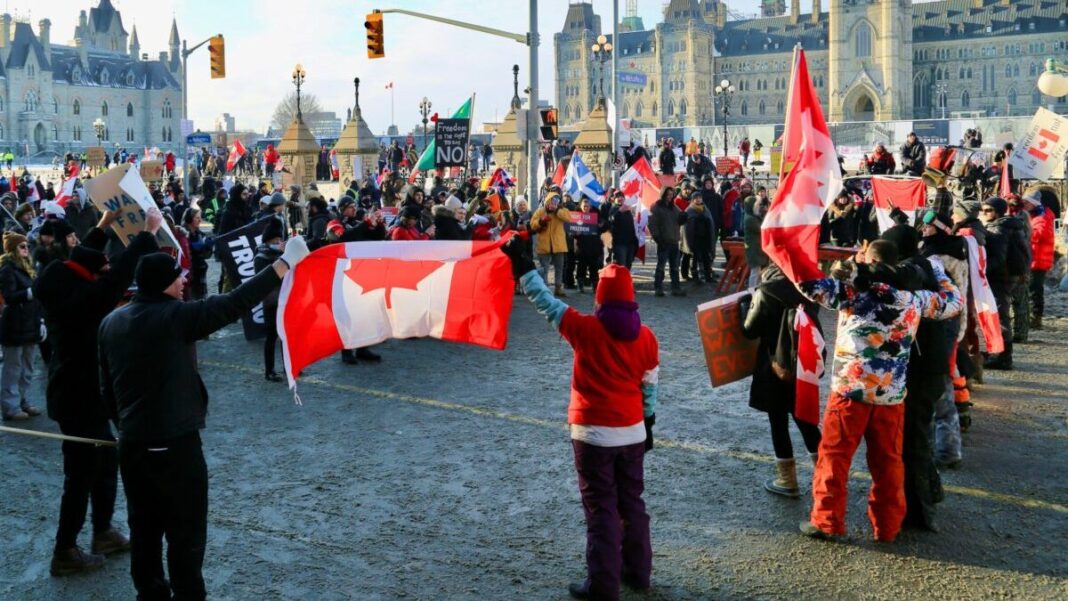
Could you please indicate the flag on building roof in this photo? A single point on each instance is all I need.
(580, 182)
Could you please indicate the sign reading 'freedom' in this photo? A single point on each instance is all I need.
(450, 141)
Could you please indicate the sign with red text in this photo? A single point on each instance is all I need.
(1042, 148)
(729, 354)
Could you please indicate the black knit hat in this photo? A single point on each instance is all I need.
(155, 272)
(275, 229)
(89, 258)
(61, 229)
(998, 204)
(47, 228)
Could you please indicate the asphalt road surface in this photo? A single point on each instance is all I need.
(446, 472)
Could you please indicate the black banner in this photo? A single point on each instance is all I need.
(450, 141)
(934, 132)
(236, 250)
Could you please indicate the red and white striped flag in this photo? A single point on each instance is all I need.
(66, 191)
(986, 308)
(236, 152)
(639, 181)
(347, 296)
(790, 233)
(810, 367)
(905, 194)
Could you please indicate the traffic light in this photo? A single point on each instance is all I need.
(548, 124)
(217, 48)
(376, 39)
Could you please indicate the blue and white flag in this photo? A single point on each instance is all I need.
(579, 181)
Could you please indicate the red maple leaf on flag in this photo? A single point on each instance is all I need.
(372, 274)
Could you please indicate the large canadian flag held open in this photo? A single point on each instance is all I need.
(347, 296)
(791, 230)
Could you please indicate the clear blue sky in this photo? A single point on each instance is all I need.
(265, 38)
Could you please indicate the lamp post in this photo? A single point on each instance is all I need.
(940, 90)
(298, 80)
(1054, 80)
(99, 126)
(424, 110)
(724, 91)
(602, 53)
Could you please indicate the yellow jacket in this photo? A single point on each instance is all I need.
(552, 235)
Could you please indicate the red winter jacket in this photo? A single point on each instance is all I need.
(1042, 240)
(401, 232)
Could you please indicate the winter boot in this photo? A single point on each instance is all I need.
(786, 483)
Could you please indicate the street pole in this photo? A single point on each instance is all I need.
(533, 152)
(185, 108)
(615, 89)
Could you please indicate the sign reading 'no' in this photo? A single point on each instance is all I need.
(450, 142)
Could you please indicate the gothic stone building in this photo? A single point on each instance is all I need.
(870, 59)
(51, 94)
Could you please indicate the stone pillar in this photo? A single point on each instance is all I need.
(300, 153)
(357, 149)
(510, 151)
(595, 143)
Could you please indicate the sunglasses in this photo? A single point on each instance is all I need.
(24, 245)
(986, 210)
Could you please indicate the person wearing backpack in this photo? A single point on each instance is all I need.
(771, 320)
(1008, 252)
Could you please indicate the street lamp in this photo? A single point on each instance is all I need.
(424, 110)
(1054, 80)
(940, 89)
(298, 79)
(99, 126)
(602, 53)
(724, 91)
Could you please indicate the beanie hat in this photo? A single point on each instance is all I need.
(905, 238)
(453, 203)
(47, 228)
(61, 229)
(12, 241)
(265, 200)
(998, 204)
(155, 272)
(615, 284)
(90, 258)
(277, 199)
(410, 212)
(1032, 197)
(23, 209)
(966, 209)
(344, 202)
(275, 229)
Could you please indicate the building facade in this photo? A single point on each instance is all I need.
(51, 94)
(870, 60)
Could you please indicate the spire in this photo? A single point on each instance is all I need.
(135, 44)
(174, 41)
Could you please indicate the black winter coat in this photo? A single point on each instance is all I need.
(234, 216)
(446, 226)
(621, 224)
(265, 257)
(364, 232)
(148, 364)
(20, 321)
(771, 300)
(1017, 260)
(714, 202)
(73, 308)
(700, 230)
(667, 161)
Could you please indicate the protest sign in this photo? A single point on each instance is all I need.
(121, 189)
(389, 215)
(1042, 148)
(582, 223)
(237, 250)
(729, 354)
(96, 156)
(151, 170)
(450, 141)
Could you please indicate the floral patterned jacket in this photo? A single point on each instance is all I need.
(875, 332)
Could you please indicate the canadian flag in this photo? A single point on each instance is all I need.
(561, 170)
(791, 230)
(1044, 140)
(66, 191)
(1005, 182)
(888, 193)
(347, 296)
(810, 367)
(986, 308)
(236, 152)
(640, 182)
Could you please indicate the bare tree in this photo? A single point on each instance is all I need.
(286, 110)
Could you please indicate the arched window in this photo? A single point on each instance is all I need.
(103, 77)
(166, 110)
(567, 113)
(745, 107)
(965, 99)
(960, 74)
(670, 108)
(104, 109)
(129, 109)
(55, 133)
(626, 110)
(761, 107)
(638, 109)
(969, 72)
(779, 107)
(163, 134)
(77, 107)
(683, 108)
(1016, 70)
(1008, 70)
(1012, 96)
(31, 102)
(863, 40)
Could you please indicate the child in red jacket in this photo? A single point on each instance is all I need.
(612, 412)
(1041, 253)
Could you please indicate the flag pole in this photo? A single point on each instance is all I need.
(470, 121)
(789, 103)
(64, 437)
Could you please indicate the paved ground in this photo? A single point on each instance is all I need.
(446, 473)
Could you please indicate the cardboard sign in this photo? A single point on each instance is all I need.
(582, 223)
(151, 170)
(389, 216)
(450, 141)
(729, 354)
(121, 189)
(237, 252)
(1042, 148)
(96, 156)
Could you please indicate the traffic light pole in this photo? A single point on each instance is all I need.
(531, 40)
(185, 115)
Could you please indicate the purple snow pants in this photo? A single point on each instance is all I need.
(611, 481)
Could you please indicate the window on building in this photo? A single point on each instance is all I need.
(166, 110)
(1036, 97)
(107, 134)
(103, 77)
(76, 134)
(969, 72)
(965, 99)
(129, 109)
(1032, 70)
(55, 133)
(652, 111)
(1, 132)
(1016, 70)
(863, 42)
(567, 113)
(130, 79)
(129, 134)
(1012, 96)
(670, 108)
(104, 109)
(31, 102)
(30, 70)
(77, 107)
(745, 107)
(761, 107)
(683, 107)
(779, 107)
(1008, 70)
(638, 109)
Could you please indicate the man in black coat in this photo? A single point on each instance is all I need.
(76, 295)
(148, 374)
(1008, 251)
(620, 218)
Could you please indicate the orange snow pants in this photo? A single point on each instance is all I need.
(882, 426)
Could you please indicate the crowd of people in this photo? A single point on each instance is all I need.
(906, 294)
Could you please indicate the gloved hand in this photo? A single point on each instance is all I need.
(649, 423)
(516, 252)
(296, 250)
